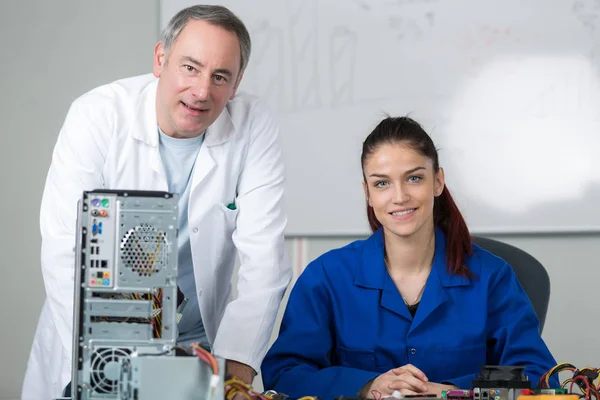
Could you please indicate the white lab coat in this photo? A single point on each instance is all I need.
(110, 140)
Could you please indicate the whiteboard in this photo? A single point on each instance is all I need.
(509, 91)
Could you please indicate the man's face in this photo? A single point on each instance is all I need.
(198, 77)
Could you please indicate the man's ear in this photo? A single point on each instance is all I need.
(159, 60)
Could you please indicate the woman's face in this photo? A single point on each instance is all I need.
(401, 185)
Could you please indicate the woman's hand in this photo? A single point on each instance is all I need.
(432, 388)
(408, 378)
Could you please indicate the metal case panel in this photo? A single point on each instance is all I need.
(158, 378)
(126, 277)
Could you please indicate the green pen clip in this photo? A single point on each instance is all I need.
(231, 206)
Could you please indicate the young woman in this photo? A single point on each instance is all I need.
(415, 308)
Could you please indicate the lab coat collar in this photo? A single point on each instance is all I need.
(144, 127)
(145, 123)
(221, 130)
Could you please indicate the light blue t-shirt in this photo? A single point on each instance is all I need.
(178, 157)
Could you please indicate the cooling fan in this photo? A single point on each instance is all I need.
(144, 249)
(105, 369)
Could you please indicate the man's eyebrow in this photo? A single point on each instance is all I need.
(223, 71)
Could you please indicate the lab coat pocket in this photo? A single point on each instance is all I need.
(359, 359)
(230, 218)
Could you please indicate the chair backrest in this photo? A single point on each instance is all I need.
(530, 272)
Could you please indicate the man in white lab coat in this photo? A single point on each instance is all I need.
(181, 129)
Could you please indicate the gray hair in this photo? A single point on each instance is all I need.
(216, 15)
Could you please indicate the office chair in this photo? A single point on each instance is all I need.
(530, 272)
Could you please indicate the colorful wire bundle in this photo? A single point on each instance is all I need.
(157, 312)
(544, 380)
(156, 319)
(584, 379)
(205, 356)
(235, 386)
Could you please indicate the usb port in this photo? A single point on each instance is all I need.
(92, 250)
